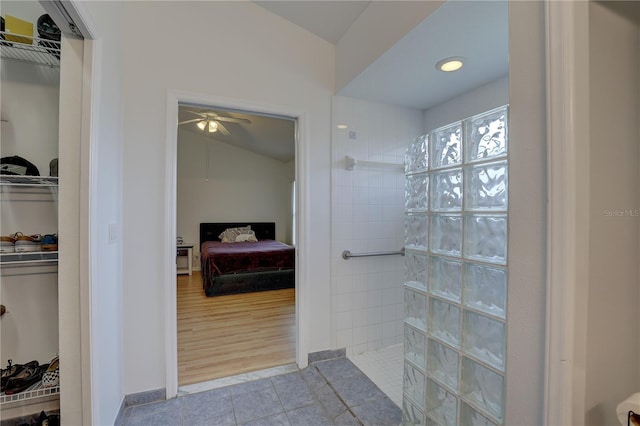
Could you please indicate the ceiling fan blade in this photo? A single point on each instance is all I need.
(196, 113)
(223, 129)
(190, 121)
(233, 120)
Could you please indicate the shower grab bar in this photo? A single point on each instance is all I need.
(346, 255)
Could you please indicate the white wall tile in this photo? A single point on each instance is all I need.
(367, 216)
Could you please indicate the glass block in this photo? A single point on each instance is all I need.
(415, 269)
(444, 322)
(446, 146)
(485, 238)
(414, 346)
(486, 135)
(442, 364)
(415, 230)
(470, 417)
(415, 309)
(413, 383)
(485, 289)
(446, 234)
(483, 387)
(441, 404)
(486, 186)
(446, 191)
(411, 415)
(484, 338)
(445, 278)
(415, 196)
(416, 156)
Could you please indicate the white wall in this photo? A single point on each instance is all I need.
(476, 101)
(257, 57)
(239, 185)
(613, 358)
(524, 388)
(367, 215)
(107, 308)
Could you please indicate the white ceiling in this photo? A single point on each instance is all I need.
(270, 136)
(326, 19)
(406, 74)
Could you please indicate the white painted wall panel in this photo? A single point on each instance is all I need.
(224, 49)
(613, 360)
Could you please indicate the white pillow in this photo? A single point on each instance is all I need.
(246, 237)
(229, 235)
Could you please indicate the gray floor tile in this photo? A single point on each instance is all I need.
(294, 392)
(330, 401)
(383, 412)
(256, 404)
(312, 415)
(357, 390)
(337, 369)
(157, 413)
(212, 408)
(250, 386)
(313, 378)
(275, 420)
(346, 419)
(286, 378)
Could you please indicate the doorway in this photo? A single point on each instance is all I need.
(235, 170)
(174, 99)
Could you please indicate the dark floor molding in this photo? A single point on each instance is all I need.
(139, 399)
(325, 355)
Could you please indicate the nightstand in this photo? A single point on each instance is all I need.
(184, 259)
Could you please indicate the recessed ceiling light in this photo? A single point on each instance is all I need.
(342, 126)
(450, 64)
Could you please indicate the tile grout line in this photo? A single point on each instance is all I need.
(339, 396)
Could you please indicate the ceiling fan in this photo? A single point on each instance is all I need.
(211, 122)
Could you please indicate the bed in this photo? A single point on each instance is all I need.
(242, 267)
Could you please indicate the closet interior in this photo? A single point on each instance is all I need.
(29, 113)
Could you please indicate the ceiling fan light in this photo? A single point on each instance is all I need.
(201, 125)
(213, 126)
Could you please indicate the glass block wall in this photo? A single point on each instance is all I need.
(456, 217)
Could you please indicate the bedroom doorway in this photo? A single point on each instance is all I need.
(235, 172)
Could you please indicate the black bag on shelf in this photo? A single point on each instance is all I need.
(16, 165)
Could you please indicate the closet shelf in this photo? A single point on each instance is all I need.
(28, 258)
(14, 180)
(41, 51)
(34, 395)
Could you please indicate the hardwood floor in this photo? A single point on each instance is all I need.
(226, 335)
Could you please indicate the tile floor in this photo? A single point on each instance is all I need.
(385, 368)
(332, 392)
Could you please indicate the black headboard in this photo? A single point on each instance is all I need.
(263, 230)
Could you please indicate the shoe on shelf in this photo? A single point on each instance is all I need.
(21, 381)
(51, 376)
(49, 243)
(7, 244)
(16, 371)
(48, 419)
(27, 243)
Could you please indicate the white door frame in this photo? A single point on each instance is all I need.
(174, 97)
(567, 54)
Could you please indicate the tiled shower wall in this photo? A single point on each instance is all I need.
(367, 213)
